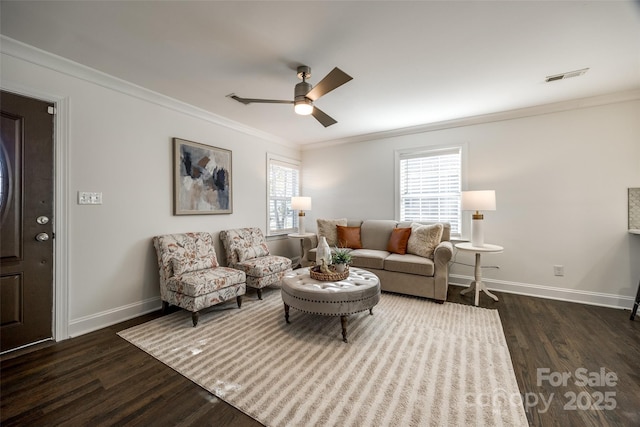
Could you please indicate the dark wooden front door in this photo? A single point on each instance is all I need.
(26, 209)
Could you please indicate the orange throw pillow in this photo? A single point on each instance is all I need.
(398, 240)
(349, 237)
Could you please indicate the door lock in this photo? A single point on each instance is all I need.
(42, 237)
(42, 220)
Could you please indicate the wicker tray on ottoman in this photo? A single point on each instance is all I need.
(315, 273)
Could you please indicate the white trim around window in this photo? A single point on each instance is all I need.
(283, 182)
(428, 184)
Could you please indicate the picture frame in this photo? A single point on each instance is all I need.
(633, 197)
(202, 179)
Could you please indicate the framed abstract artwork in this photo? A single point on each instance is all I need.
(634, 208)
(202, 179)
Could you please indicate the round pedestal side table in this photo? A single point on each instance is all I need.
(301, 237)
(477, 285)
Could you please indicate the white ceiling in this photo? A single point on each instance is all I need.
(412, 63)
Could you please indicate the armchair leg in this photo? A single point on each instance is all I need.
(259, 293)
(165, 307)
(194, 317)
(239, 300)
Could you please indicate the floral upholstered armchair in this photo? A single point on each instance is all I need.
(246, 250)
(190, 276)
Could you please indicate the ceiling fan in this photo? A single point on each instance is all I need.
(305, 94)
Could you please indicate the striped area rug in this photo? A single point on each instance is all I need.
(413, 363)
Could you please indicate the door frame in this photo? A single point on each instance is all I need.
(60, 202)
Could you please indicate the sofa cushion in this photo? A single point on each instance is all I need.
(424, 239)
(182, 253)
(264, 266)
(188, 264)
(398, 240)
(368, 258)
(375, 233)
(349, 237)
(240, 238)
(255, 251)
(203, 282)
(411, 264)
(328, 229)
(354, 223)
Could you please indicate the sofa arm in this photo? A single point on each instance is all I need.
(308, 243)
(441, 257)
(443, 254)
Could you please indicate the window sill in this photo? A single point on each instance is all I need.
(274, 237)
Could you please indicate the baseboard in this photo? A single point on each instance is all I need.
(86, 324)
(549, 292)
(103, 319)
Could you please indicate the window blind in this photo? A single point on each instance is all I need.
(284, 183)
(430, 186)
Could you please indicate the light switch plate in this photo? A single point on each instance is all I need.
(89, 198)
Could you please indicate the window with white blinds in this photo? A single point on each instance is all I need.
(283, 184)
(430, 186)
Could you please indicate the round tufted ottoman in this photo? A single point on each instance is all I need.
(358, 292)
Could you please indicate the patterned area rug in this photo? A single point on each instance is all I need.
(412, 363)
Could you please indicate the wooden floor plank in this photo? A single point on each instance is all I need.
(100, 379)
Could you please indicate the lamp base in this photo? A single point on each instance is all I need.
(301, 223)
(477, 233)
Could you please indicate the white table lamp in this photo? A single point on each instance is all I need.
(477, 201)
(301, 204)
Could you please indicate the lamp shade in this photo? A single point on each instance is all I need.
(301, 203)
(484, 200)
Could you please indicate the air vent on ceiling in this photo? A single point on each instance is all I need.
(566, 75)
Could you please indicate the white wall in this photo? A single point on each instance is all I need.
(560, 178)
(121, 145)
(561, 184)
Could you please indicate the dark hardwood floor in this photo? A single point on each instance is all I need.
(100, 379)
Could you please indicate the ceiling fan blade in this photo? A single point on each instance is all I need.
(247, 101)
(324, 119)
(334, 79)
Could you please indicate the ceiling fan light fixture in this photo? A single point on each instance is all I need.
(304, 107)
(305, 94)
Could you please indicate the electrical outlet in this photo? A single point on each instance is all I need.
(89, 198)
(558, 270)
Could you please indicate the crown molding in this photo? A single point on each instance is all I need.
(25, 52)
(34, 55)
(574, 104)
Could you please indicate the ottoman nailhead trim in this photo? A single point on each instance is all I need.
(331, 302)
(328, 302)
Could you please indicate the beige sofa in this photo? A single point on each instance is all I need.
(406, 274)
